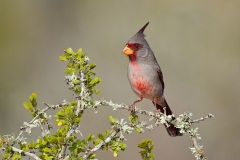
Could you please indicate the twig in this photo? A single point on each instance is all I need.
(62, 154)
(39, 113)
(73, 126)
(203, 118)
(71, 130)
(123, 106)
(14, 149)
(199, 153)
(100, 145)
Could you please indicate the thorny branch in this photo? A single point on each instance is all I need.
(23, 128)
(203, 118)
(183, 122)
(24, 153)
(62, 154)
(100, 145)
(80, 107)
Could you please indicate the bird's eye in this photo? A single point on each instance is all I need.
(136, 45)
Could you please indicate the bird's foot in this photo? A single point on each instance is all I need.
(132, 106)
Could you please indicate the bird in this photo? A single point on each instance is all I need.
(145, 76)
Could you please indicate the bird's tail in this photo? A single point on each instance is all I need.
(172, 131)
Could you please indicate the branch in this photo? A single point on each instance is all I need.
(62, 154)
(80, 106)
(14, 149)
(183, 122)
(71, 130)
(197, 150)
(100, 145)
(23, 128)
(203, 118)
(116, 106)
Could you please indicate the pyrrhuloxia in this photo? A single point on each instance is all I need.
(145, 75)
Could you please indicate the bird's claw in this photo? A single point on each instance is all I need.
(131, 108)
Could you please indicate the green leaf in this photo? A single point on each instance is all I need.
(112, 120)
(100, 136)
(33, 96)
(68, 110)
(7, 155)
(47, 157)
(147, 147)
(97, 141)
(80, 51)
(92, 157)
(124, 146)
(91, 66)
(33, 99)
(78, 66)
(151, 155)
(77, 90)
(9, 148)
(70, 71)
(90, 138)
(47, 150)
(107, 133)
(95, 81)
(43, 142)
(76, 82)
(139, 130)
(69, 51)
(73, 147)
(73, 103)
(16, 156)
(96, 91)
(133, 117)
(60, 115)
(77, 120)
(63, 58)
(28, 106)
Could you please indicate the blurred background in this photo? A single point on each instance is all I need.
(197, 44)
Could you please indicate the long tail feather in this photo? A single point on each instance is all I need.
(172, 131)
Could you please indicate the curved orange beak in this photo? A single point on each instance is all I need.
(127, 50)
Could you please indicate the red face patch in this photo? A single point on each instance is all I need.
(134, 46)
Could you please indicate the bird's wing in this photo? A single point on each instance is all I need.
(160, 75)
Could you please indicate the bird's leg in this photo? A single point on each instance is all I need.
(132, 106)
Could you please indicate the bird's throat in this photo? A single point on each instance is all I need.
(132, 58)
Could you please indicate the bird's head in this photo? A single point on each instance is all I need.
(137, 46)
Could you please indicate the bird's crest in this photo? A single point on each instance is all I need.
(143, 28)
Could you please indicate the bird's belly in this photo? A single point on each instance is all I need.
(144, 82)
(143, 87)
